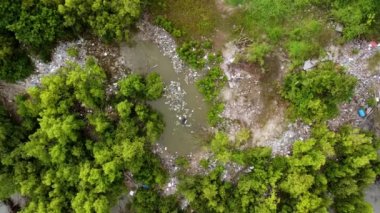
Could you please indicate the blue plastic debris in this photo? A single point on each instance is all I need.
(145, 186)
(361, 112)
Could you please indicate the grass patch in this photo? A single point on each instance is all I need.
(72, 52)
(374, 61)
(197, 18)
(278, 24)
(168, 26)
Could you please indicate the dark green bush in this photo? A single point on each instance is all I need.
(15, 64)
(192, 52)
(168, 26)
(257, 52)
(213, 115)
(211, 85)
(150, 200)
(314, 95)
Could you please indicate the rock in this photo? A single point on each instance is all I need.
(339, 28)
(309, 64)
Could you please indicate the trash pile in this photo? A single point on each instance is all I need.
(175, 99)
(59, 59)
(168, 47)
(359, 110)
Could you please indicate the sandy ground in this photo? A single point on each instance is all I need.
(252, 101)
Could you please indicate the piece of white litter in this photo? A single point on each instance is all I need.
(132, 193)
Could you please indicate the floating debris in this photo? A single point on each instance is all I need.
(175, 99)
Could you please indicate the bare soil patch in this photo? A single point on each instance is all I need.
(252, 100)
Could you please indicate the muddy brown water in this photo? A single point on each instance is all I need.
(144, 56)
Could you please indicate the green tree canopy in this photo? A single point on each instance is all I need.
(10, 137)
(328, 171)
(106, 19)
(80, 145)
(148, 200)
(37, 26)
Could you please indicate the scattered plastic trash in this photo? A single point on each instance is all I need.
(368, 110)
(361, 112)
(309, 64)
(372, 45)
(339, 28)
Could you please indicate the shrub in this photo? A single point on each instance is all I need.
(168, 26)
(372, 102)
(299, 51)
(213, 115)
(15, 64)
(182, 162)
(193, 53)
(72, 52)
(314, 95)
(204, 163)
(211, 85)
(357, 16)
(257, 52)
(243, 136)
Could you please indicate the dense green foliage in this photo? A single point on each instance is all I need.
(210, 87)
(106, 19)
(257, 53)
(148, 200)
(329, 170)
(168, 26)
(10, 137)
(36, 26)
(14, 62)
(213, 115)
(193, 53)
(80, 144)
(206, 193)
(314, 95)
(358, 17)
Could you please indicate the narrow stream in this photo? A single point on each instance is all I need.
(183, 108)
